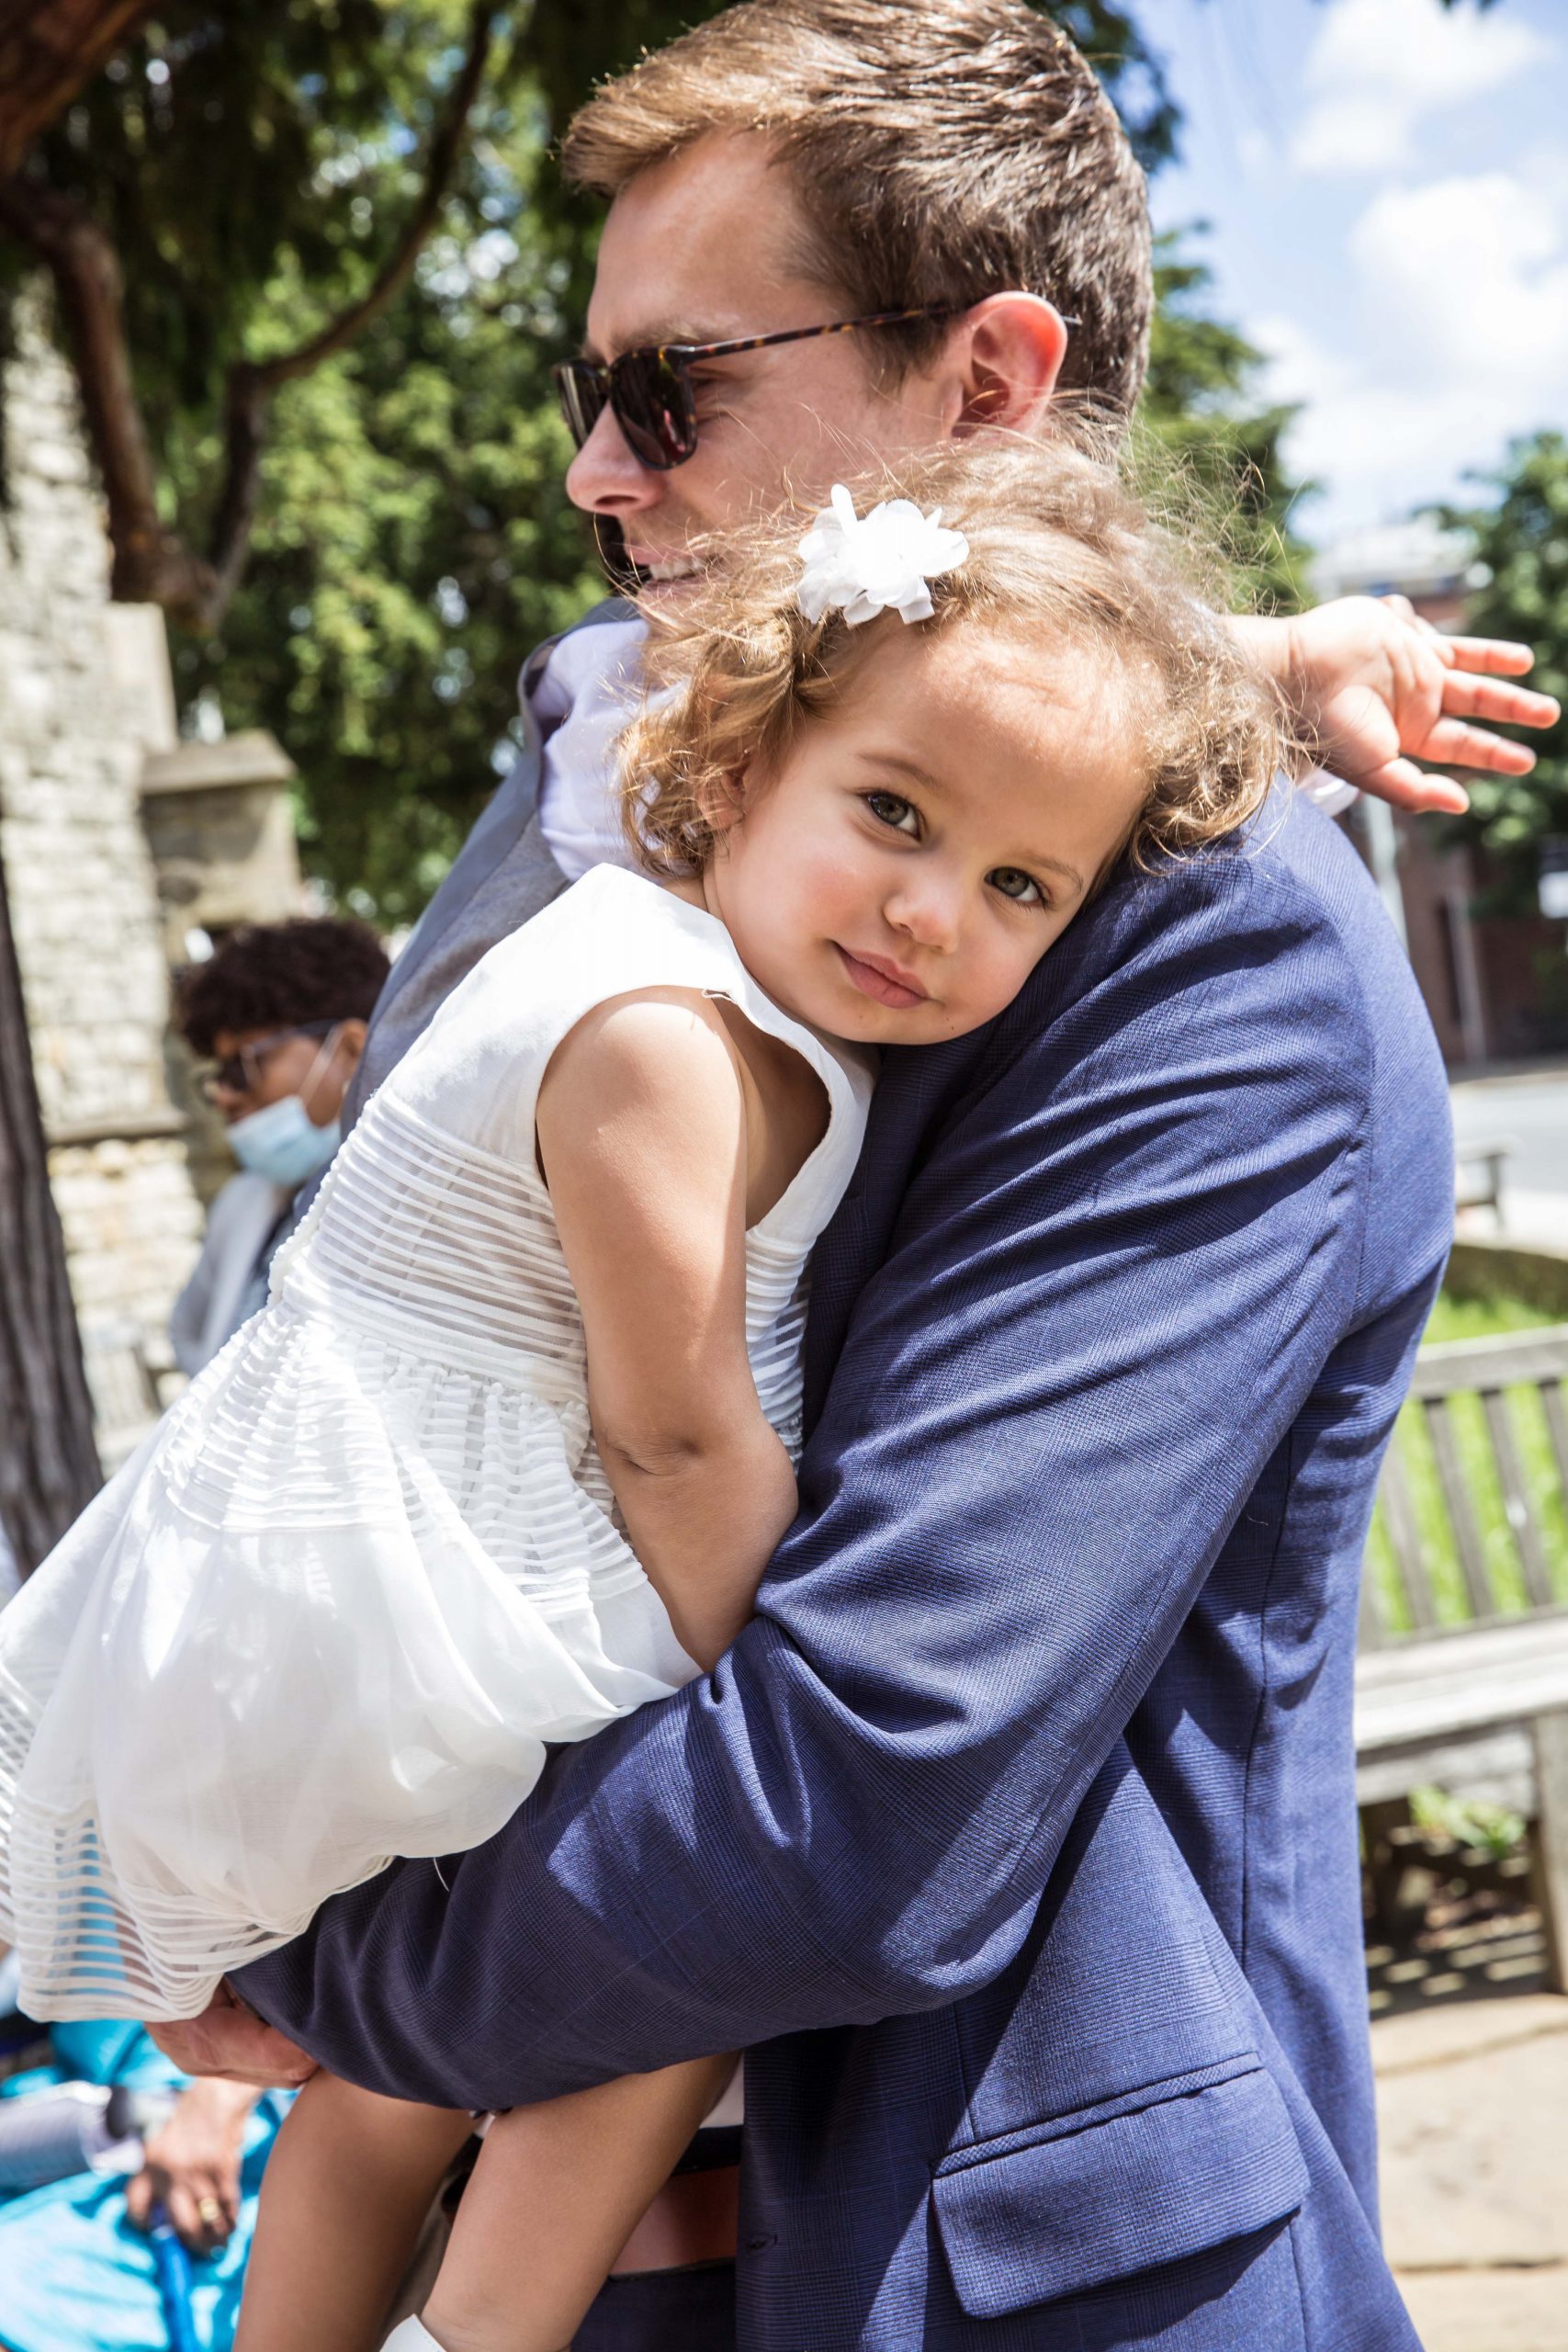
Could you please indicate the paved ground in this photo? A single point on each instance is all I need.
(1529, 1111)
(1471, 2054)
(1472, 2100)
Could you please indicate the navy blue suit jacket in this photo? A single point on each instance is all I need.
(1016, 1839)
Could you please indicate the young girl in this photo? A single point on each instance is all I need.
(508, 1450)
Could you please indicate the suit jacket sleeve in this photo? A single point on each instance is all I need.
(1135, 1238)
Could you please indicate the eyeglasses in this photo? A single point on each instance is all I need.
(651, 394)
(241, 1072)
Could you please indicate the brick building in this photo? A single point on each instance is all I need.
(1497, 986)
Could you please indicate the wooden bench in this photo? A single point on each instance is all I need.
(1478, 1706)
(1478, 1177)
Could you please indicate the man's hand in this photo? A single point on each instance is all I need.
(192, 2165)
(229, 2038)
(1378, 688)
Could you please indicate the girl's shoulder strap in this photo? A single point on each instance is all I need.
(478, 1069)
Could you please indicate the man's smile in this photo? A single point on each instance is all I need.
(658, 569)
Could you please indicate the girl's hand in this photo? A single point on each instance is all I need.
(192, 2165)
(229, 2038)
(1380, 688)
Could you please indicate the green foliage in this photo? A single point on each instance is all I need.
(1455, 1317)
(255, 160)
(1521, 539)
(1500, 1555)
(1470, 1822)
(254, 163)
(1207, 449)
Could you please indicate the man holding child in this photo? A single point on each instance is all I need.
(1015, 1837)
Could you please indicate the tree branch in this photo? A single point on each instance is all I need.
(48, 50)
(151, 563)
(251, 383)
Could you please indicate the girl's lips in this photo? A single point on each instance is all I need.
(875, 976)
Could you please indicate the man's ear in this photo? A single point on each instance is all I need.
(1005, 356)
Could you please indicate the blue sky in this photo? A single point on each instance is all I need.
(1387, 188)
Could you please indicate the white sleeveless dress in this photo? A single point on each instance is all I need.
(370, 1563)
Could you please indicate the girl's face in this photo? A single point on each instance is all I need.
(899, 875)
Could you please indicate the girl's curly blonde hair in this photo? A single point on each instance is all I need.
(1060, 554)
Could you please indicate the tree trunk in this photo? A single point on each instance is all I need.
(48, 1463)
(48, 50)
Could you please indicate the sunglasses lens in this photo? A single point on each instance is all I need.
(654, 407)
(581, 391)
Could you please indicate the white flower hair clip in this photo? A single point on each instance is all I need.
(878, 563)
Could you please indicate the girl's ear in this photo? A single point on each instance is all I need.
(724, 800)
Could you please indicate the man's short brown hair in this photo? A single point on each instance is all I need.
(943, 150)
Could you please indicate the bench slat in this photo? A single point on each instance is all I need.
(1557, 1426)
(1405, 1538)
(1512, 1359)
(1495, 1765)
(1516, 1495)
(1465, 1679)
(1461, 1510)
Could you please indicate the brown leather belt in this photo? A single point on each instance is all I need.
(695, 2218)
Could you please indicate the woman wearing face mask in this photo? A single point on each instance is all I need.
(279, 1014)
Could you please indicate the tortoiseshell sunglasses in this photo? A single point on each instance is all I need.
(652, 395)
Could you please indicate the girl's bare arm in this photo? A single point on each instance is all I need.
(646, 1131)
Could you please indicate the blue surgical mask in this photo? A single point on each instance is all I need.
(282, 1142)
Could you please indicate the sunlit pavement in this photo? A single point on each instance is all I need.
(1528, 1110)
(1471, 2054)
(1473, 2098)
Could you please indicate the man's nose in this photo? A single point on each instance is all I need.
(606, 479)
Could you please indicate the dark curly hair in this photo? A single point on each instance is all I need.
(274, 975)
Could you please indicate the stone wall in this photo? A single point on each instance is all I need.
(79, 710)
(220, 825)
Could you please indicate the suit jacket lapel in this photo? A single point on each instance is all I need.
(915, 1092)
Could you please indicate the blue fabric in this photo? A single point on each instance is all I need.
(75, 2275)
(663, 2310)
(1031, 1787)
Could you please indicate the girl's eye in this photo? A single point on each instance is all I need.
(888, 809)
(1014, 884)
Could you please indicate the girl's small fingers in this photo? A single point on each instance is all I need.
(1405, 785)
(1460, 746)
(1497, 656)
(1467, 696)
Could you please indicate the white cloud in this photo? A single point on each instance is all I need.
(1457, 305)
(1299, 367)
(1377, 68)
(1469, 276)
